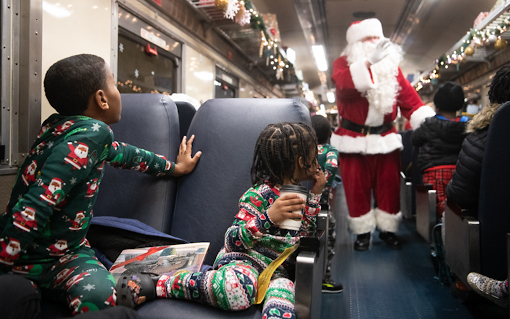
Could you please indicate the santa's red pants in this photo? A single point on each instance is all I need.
(364, 174)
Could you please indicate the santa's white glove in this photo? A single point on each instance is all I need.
(380, 52)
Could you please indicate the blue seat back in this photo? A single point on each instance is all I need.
(186, 113)
(130, 194)
(494, 206)
(226, 131)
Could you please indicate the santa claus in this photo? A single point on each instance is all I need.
(9, 251)
(370, 89)
(25, 219)
(53, 191)
(78, 221)
(29, 175)
(78, 155)
(59, 248)
(92, 187)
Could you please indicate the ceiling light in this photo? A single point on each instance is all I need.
(320, 57)
(291, 55)
(331, 97)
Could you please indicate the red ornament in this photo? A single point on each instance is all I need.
(273, 31)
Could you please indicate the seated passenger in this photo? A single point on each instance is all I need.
(43, 232)
(464, 186)
(439, 139)
(328, 161)
(285, 153)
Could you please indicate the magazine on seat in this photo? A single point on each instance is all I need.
(160, 259)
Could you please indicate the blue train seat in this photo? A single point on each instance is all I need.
(149, 121)
(204, 202)
(186, 112)
(476, 241)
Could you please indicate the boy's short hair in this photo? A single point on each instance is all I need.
(322, 128)
(449, 97)
(70, 82)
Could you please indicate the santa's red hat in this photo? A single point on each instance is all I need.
(365, 28)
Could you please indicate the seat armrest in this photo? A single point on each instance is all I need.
(462, 244)
(322, 221)
(308, 285)
(310, 260)
(425, 210)
(406, 196)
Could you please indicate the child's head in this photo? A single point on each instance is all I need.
(449, 97)
(499, 89)
(322, 128)
(283, 151)
(73, 84)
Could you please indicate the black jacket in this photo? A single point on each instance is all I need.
(464, 186)
(439, 140)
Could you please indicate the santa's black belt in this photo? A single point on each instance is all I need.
(365, 129)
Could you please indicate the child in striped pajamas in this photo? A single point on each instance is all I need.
(285, 153)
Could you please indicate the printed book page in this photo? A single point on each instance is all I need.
(161, 259)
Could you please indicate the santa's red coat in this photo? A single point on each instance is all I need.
(352, 81)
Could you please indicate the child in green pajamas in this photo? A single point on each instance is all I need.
(43, 231)
(285, 153)
(328, 160)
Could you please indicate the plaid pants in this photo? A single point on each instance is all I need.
(439, 177)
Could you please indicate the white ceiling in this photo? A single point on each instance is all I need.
(428, 28)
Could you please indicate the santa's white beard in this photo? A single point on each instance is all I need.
(384, 73)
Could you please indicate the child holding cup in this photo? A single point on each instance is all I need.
(285, 154)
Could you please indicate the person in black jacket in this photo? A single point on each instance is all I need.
(440, 140)
(464, 186)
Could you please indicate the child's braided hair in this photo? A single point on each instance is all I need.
(278, 149)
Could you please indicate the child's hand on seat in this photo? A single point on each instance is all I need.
(185, 163)
(319, 181)
(283, 208)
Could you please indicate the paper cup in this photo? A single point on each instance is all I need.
(291, 223)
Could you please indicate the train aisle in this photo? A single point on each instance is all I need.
(385, 283)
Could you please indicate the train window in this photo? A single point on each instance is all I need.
(225, 85)
(143, 67)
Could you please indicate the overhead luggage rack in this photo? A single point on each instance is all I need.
(259, 45)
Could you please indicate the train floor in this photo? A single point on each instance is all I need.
(386, 283)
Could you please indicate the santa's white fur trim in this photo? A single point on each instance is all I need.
(382, 97)
(365, 28)
(361, 76)
(418, 116)
(387, 222)
(370, 144)
(363, 224)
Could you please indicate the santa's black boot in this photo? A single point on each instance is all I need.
(390, 239)
(362, 242)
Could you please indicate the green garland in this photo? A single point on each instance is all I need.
(257, 24)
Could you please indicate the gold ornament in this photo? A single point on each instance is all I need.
(469, 51)
(500, 44)
(221, 4)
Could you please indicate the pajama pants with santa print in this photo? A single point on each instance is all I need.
(231, 286)
(367, 175)
(78, 279)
